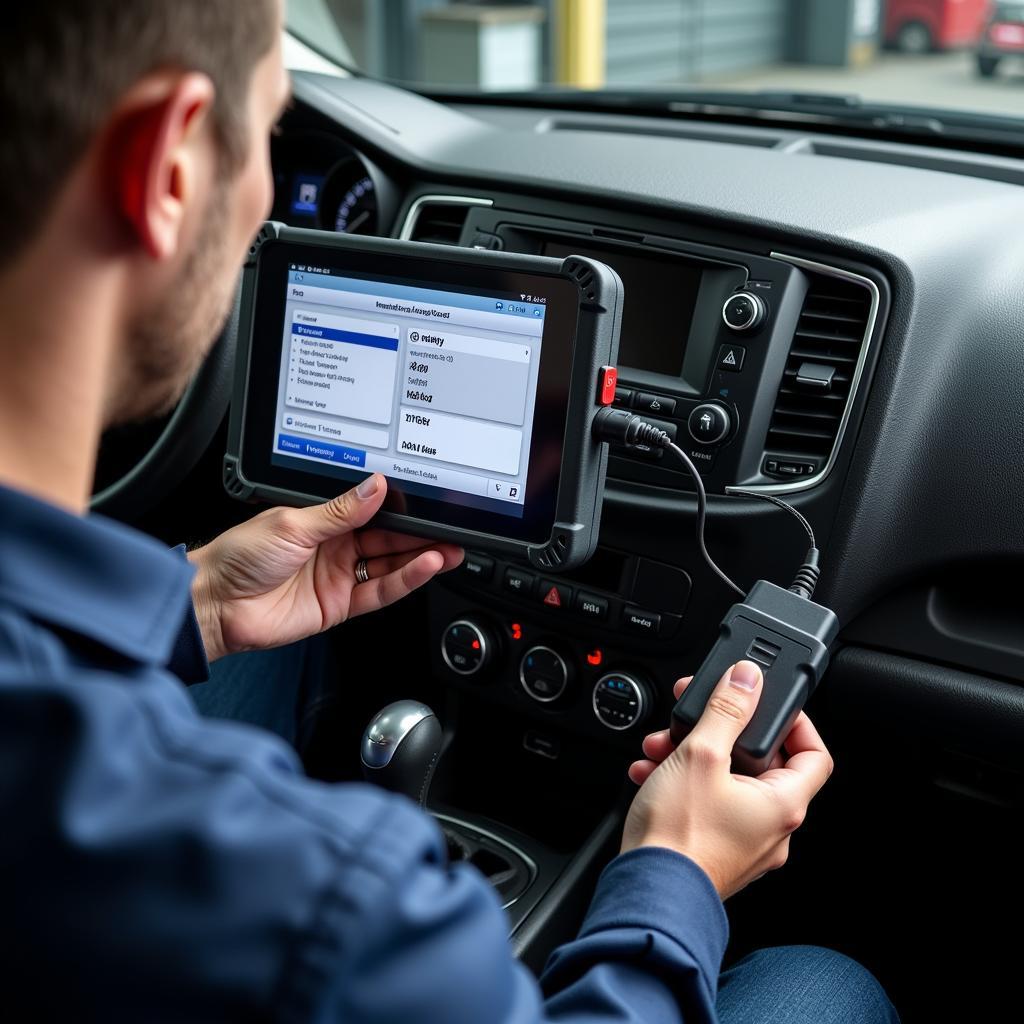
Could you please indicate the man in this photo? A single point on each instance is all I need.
(157, 866)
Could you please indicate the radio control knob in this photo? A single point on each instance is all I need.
(468, 647)
(620, 700)
(744, 311)
(709, 423)
(544, 673)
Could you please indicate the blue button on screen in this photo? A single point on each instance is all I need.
(321, 450)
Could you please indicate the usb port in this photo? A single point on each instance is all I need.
(545, 746)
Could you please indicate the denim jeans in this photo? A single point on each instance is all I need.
(279, 690)
(801, 985)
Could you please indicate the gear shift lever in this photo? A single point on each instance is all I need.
(400, 749)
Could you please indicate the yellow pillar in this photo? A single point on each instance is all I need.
(580, 34)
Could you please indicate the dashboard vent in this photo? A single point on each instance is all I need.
(438, 220)
(821, 367)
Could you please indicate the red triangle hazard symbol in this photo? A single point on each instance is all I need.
(553, 598)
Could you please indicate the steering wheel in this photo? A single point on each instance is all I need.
(185, 437)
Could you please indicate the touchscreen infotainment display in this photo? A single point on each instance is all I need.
(434, 387)
(662, 297)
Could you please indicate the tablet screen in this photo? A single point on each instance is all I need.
(432, 387)
(450, 378)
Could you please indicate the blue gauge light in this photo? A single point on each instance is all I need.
(357, 211)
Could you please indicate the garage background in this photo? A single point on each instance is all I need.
(588, 43)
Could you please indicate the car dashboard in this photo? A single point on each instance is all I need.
(870, 374)
(831, 320)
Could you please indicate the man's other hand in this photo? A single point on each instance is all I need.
(735, 827)
(290, 572)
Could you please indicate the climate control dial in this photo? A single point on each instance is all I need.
(544, 673)
(468, 647)
(620, 700)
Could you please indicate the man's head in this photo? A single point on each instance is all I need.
(136, 131)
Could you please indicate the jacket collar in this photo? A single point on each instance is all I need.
(92, 576)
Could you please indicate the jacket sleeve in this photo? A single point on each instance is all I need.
(432, 946)
(188, 657)
(164, 867)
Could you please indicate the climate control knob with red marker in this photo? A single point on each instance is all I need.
(468, 647)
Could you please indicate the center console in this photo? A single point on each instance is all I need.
(752, 362)
(752, 359)
(588, 651)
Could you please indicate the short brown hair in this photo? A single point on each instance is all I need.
(65, 63)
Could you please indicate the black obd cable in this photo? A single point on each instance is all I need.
(618, 426)
(786, 633)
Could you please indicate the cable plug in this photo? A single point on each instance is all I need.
(619, 426)
(806, 578)
(789, 637)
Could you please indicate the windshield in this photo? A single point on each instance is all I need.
(955, 55)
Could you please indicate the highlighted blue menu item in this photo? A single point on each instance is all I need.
(349, 337)
(320, 450)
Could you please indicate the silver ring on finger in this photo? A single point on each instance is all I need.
(362, 571)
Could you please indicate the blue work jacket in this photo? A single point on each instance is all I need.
(157, 866)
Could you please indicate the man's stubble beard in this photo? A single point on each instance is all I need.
(168, 342)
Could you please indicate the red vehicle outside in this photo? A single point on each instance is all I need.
(921, 26)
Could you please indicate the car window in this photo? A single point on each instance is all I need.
(951, 54)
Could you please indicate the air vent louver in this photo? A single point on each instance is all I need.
(440, 223)
(829, 334)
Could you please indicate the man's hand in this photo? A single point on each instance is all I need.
(735, 827)
(289, 572)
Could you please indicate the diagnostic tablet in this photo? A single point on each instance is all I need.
(469, 378)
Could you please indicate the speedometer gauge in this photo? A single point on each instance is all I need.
(349, 200)
(357, 211)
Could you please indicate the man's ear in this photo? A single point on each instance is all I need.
(155, 155)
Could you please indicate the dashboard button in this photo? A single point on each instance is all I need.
(709, 423)
(636, 620)
(555, 595)
(775, 466)
(518, 581)
(607, 380)
(592, 606)
(660, 405)
(730, 358)
(478, 567)
(623, 398)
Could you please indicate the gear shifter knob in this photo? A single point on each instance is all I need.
(400, 749)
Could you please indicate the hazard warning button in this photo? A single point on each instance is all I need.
(555, 595)
(730, 357)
